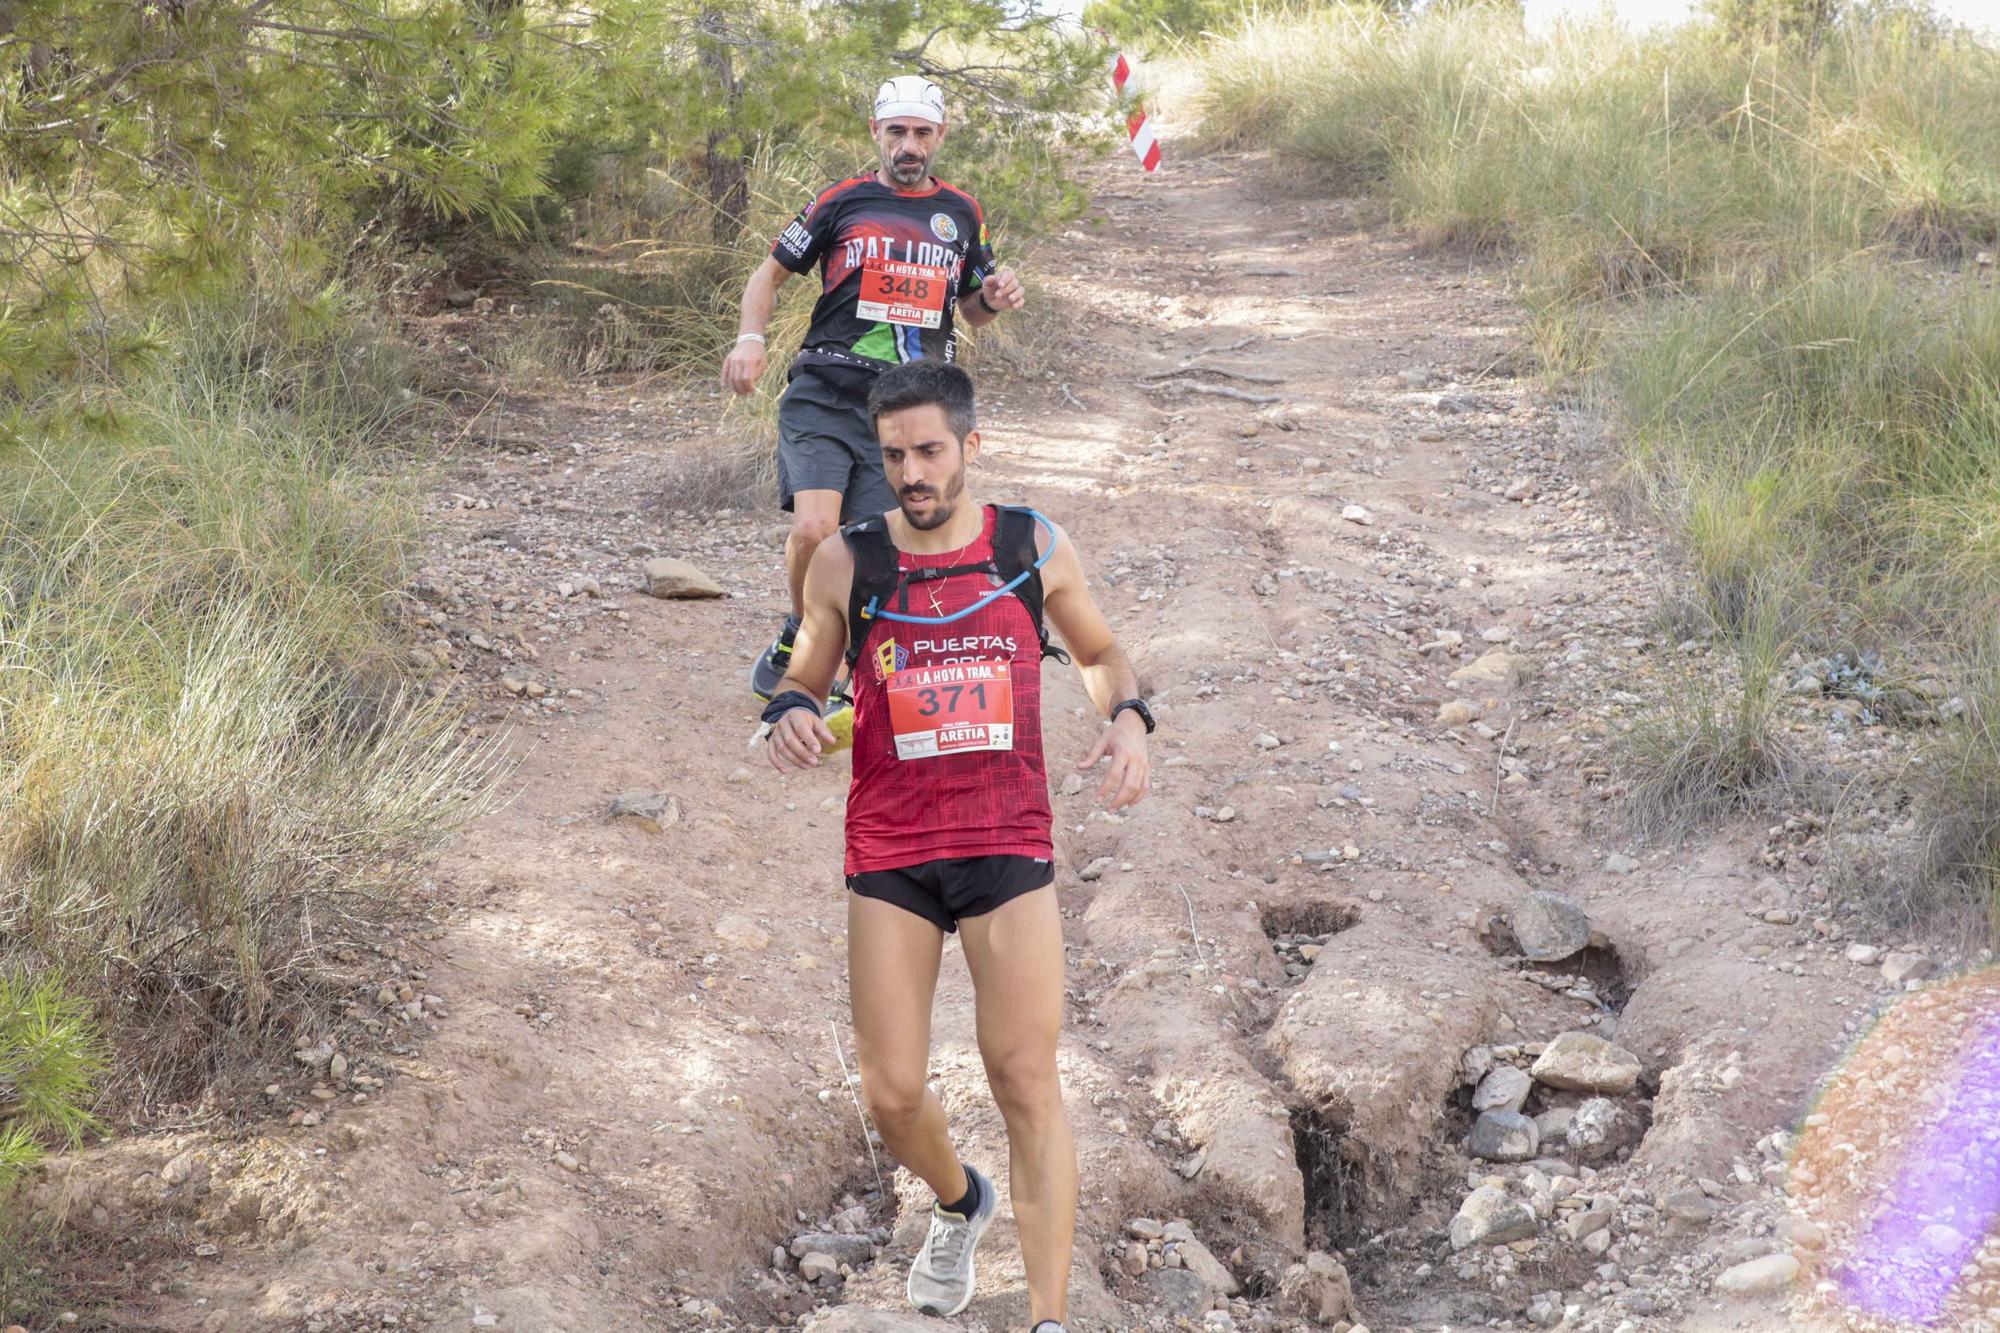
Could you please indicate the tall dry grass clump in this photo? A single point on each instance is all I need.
(1768, 262)
(209, 766)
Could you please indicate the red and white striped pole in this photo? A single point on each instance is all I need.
(1144, 146)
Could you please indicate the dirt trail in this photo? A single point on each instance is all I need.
(628, 1089)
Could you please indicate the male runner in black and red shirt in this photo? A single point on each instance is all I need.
(902, 257)
(948, 818)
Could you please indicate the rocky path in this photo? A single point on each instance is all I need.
(1388, 623)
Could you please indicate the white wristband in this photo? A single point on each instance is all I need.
(749, 337)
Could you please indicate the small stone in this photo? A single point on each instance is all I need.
(1072, 784)
(181, 1169)
(567, 1161)
(1688, 1205)
(1549, 926)
(1489, 1217)
(1620, 864)
(1317, 1289)
(1941, 1240)
(1225, 815)
(1183, 1293)
(1898, 968)
(1798, 1231)
(741, 932)
(815, 1267)
(1358, 514)
(1759, 1277)
(1134, 1258)
(1504, 1136)
(1475, 1064)
(1266, 741)
(650, 810)
(1201, 1261)
(1499, 668)
(1097, 868)
(667, 577)
(1585, 1222)
(1456, 713)
(1505, 1089)
(852, 1250)
(1144, 1228)
(1553, 1124)
(1598, 1130)
(1867, 955)
(1585, 1063)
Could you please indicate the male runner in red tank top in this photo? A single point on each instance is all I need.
(948, 821)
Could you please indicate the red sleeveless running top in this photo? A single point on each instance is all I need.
(939, 802)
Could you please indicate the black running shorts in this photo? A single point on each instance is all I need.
(826, 441)
(943, 892)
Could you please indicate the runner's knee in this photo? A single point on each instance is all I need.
(809, 530)
(1024, 1081)
(893, 1103)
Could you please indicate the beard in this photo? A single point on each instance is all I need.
(942, 506)
(906, 169)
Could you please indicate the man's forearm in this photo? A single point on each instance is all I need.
(1110, 679)
(760, 298)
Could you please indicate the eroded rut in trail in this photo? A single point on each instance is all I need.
(1383, 621)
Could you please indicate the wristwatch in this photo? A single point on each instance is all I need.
(1138, 706)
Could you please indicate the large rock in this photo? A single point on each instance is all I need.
(1550, 926)
(1898, 968)
(1198, 1259)
(1317, 1289)
(1182, 1292)
(1499, 667)
(1759, 1277)
(853, 1251)
(1489, 1217)
(1586, 1063)
(1600, 1130)
(668, 577)
(1504, 1136)
(1505, 1089)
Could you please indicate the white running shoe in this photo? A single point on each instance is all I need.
(941, 1279)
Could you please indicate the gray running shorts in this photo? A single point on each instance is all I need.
(827, 443)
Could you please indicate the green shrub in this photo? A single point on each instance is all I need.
(50, 1059)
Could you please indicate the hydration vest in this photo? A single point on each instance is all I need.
(879, 579)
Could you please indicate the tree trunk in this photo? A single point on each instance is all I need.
(728, 160)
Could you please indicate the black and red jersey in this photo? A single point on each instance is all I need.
(894, 266)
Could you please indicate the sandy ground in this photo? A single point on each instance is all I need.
(609, 1081)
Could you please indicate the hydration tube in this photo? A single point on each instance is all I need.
(874, 611)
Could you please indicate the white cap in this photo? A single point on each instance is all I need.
(910, 95)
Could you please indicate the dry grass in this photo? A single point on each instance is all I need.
(209, 768)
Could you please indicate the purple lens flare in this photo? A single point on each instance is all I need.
(1943, 1198)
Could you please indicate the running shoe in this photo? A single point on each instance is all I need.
(774, 662)
(1048, 1326)
(941, 1278)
